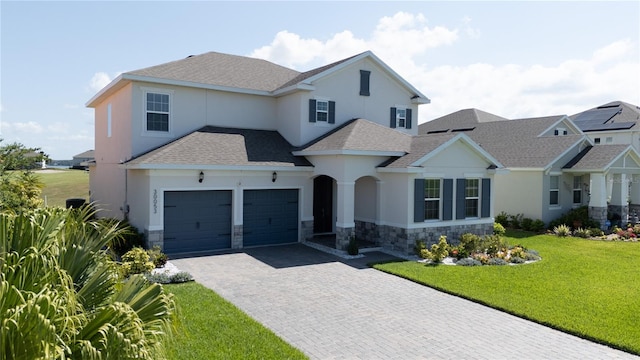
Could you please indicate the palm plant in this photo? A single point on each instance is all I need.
(61, 294)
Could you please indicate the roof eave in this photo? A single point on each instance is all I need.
(147, 166)
(348, 152)
(294, 88)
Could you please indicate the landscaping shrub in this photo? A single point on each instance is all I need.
(526, 224)
(181, 277)
(503, 219)
(130, 238)
(595, 231)
(496, 261)
(517, 260)
(537, 226)
(469, 243)
(515, 221)
(136, 261)
(352, 248)
(562, 230)
(578, 217)
(582, 233)
(491, 244)
(157, 257)
(438, 251)
(498, 229)
(468, 262)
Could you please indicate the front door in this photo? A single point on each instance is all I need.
(322, 204)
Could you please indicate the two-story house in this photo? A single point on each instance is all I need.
(218, 151)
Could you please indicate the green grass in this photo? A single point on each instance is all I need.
(212, 328)
(584, 287)
(64, 184)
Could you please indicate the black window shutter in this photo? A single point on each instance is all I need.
(447, 198)
(408, 120)
(555, 132)
(364, 82)
(332, 112)
(392, 118)
(418, 200)
(461, 186)
(312, 110)
(485, 210)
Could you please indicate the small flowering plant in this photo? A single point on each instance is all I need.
(631, 233)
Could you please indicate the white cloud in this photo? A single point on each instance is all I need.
(30, 127)
(99, 80)
(396, 39)
(508, 90)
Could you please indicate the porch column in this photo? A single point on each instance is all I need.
(345, 224)
(634, 195)
(598, 199)
(619, 197)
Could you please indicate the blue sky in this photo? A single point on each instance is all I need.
(514, 59)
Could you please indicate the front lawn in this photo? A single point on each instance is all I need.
(584, 287)
(212, 328)
(60, 185)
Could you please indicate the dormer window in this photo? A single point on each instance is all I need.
(400, 118)
(560, 132)
(322, 111)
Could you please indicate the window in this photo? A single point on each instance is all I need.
(401, 117)
(157, 112)
(560, 132)
(577, 189)
(432, 199)
(364, 82)
(109, 120)
(322, 111)
(596, 140)
(471, 197)
(554, 190)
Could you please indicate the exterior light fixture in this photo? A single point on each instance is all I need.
(274, 176)
(200, 177)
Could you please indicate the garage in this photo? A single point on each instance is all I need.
(270, 217)
(197, 221)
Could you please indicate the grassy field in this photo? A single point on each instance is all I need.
(584, 287)
(212, 328)
(60, 185)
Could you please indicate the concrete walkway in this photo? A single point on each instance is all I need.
(332, 308)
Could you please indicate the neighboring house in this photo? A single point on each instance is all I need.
(218, 151)
(83, 160)
(616, 122)
(552, 165)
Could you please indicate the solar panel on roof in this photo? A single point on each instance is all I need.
(611, 126)
(591, 119)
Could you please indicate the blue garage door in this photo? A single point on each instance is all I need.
(197, 221)
(270, 217)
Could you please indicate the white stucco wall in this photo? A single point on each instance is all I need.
(630, 137)
(106, 179)
(191, 109)
(520, 192)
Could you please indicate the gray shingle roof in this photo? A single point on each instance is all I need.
(361, 135)
(421, 145)
(224, 146)
(515, 143)
(596, 157)
(219, 69)
(466, 118)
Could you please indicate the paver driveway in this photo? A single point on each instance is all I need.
(332, 308)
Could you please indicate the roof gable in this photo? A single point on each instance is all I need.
(616, 115)
(602, 157)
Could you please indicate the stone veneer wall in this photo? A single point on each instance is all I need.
(599, 214)
(404, 240)
(622, 210)
(153, 238)
(238, 237)
(306, 230)
(342, 237)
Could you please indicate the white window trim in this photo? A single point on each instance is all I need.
(322, 123)
(579, 188)
(439, 199)
(151, 133)
(478, 197)
(398, 118)
(556, 190)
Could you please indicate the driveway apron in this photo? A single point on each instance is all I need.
(331, 308)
